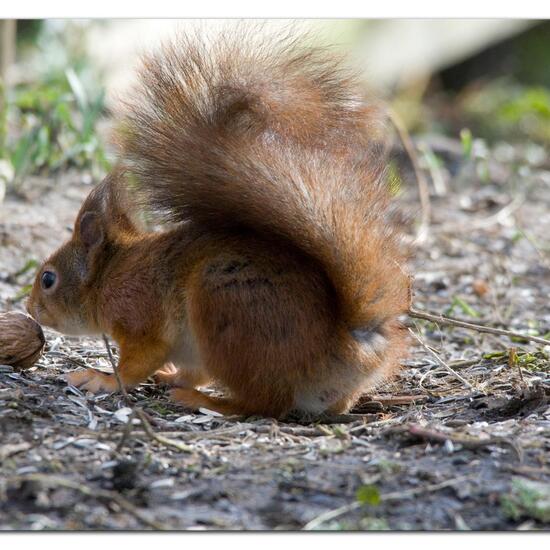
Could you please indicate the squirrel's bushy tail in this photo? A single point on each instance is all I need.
(270, 135)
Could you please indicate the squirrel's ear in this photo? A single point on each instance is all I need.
(90, 230)
(116, 210)
(104, 213)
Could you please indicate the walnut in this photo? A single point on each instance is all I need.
(21, 340)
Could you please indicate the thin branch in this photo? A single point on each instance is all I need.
(141, 414)
(315, 523)
(161, 439)
(117, 374)
(126, 433)
(9, 450)
(428, 434)
(440, 361)
(392, 401)
(421, 182)
(438, 318)
(485, 223)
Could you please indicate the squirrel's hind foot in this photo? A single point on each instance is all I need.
(167, 375)
(195, 399)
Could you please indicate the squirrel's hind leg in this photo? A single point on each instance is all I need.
(194, 399)
(263, 322)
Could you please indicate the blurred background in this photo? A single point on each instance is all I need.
(455, 85)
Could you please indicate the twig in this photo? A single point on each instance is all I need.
(438, 318)
(117, 374)
(9, 450)
(440, 361)
(126, 433)
(328, 418)
(541, 252)
(463, 363)
(300, 431)
(104, 494)
(467, 442)
(210, 434)
(141, 414)
(485, 223)
(161, 439)
(315, 523)
(390, 401)
(125, 396)
(421, 181)
(529, 471)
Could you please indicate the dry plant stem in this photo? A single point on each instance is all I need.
(389, 497)
(421, 181)
(440, 361)
(10, 450)
(499, 217)
(467, 442)
(126, 433)
(161, 439)
(117, 374)
(398, 400)
(528, 471)
(463, 363)
(128, 426)
(233, 430)
(102, 494)
(438, 318)
(140, 414)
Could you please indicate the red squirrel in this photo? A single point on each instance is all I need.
(278, 276)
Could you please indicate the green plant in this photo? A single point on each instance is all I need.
(529, 499)
(467, 142)
(536, 361)
(463, 306)
(52, 118)
(505, 109)
(368, 494)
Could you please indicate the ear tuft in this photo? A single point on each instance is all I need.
(90, 229)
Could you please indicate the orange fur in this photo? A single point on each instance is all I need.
(282, 278)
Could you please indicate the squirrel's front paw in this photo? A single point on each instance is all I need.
(92, 380)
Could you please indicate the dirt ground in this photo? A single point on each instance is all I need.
(433, 449)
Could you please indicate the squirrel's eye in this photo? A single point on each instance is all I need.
(48, 279)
